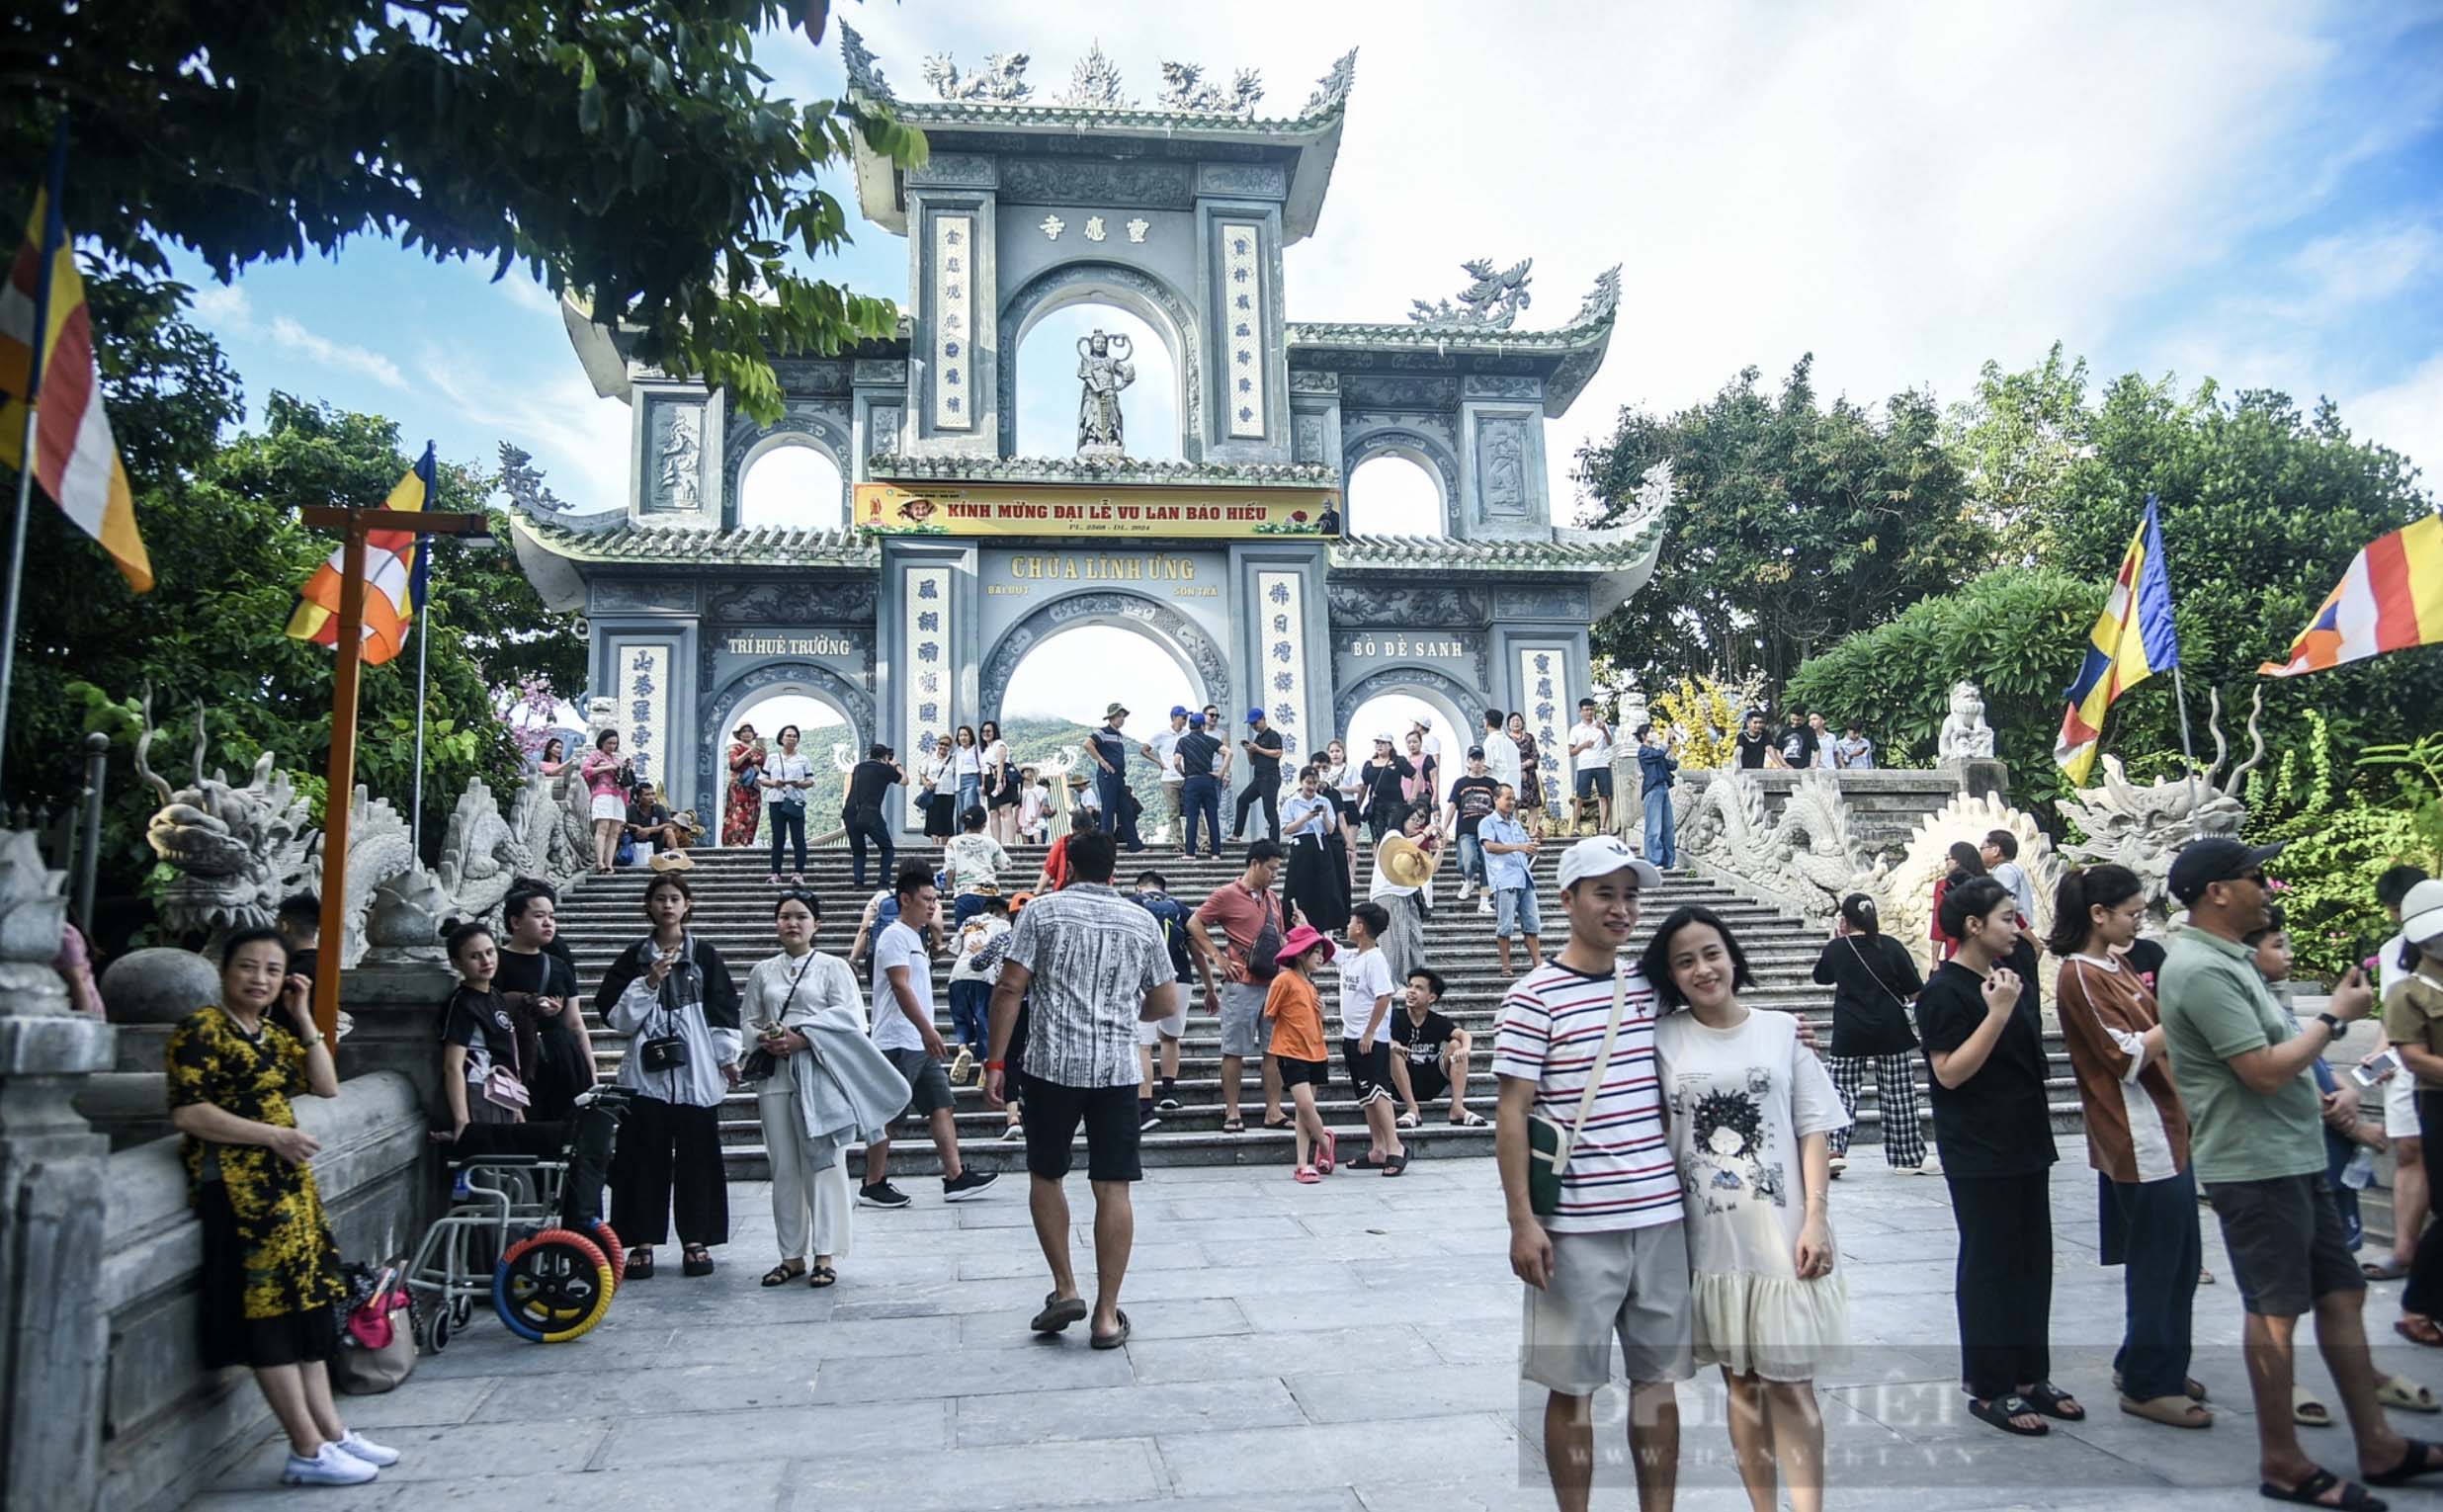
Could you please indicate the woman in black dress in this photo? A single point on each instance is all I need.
(1873, 978)
(541, 988)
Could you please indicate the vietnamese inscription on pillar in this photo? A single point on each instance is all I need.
(953, 315)
(1243, 288)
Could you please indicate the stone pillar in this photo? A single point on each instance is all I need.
(54, 1332)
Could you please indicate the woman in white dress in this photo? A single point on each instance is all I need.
(1750, 1112)
(1347, 787)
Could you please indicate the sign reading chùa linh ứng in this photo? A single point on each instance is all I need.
(1018, 509)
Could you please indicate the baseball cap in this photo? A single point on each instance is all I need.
(1601, 856)
(1476, 753)
(1254, 715)
(1196, 720)
(2421, 912)
(1177, 710)
(2218, 858)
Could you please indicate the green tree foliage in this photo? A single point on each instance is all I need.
(2262, 507)
(2011, 632)
(1796, 525)
(2340, 827)
(221, 521)
(632, 153)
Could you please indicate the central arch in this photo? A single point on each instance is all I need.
(1181, 638)
(1141, 295)
(719, 710)
(1461, 706)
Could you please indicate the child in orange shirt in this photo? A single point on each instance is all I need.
(1297, 1044)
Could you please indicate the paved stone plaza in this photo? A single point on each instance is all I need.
(1343, 1347)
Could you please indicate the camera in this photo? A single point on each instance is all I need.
(665, 1052)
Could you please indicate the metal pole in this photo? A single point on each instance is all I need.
(17, 581)
(2188, 753)
(340, 787)
(424, 640)
(89, 854)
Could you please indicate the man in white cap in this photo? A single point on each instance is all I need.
(1163, 751)
(1610, 1257)
(1425, 727)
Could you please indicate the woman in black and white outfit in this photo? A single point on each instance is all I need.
(1000, 785)
(787, 775)
(671, 994)
(1874, 980)
(829, 1088)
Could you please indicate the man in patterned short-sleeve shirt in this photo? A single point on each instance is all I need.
(1092, 965)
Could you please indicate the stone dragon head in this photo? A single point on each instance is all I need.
(234, 850)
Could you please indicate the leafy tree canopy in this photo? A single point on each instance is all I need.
(632, 153)
(1795, 524)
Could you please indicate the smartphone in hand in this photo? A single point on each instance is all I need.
(2369, 1074)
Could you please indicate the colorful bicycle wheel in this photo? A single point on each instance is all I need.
(551, 1287)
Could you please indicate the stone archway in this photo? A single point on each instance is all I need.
(819, 424)
(1362, 443)
(1464, 707)
(1186, 642)
(1138, 292)
(718, 710)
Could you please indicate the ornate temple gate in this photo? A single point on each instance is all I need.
(958, 558)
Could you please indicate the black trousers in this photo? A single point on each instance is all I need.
(2004, 1281)
(864, 823)
(669, 1156)
(1259, 792)
(2426, 1288)
(788, 822)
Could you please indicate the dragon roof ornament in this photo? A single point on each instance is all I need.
(1094, 84)
(865, 75)
(1185, 88)
(1001, 81)
(1094, 94)
(1491, 301)
(1332, 90)
(1600, 302)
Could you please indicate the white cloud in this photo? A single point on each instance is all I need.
(578, 440)
(2365, 264)
(337, 353)
(2407, 416)
(224, 309)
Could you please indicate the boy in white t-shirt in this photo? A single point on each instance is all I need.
(1034, 805)
(1366, 1038)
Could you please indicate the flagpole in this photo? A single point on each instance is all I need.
(17, 581)
(424, 641)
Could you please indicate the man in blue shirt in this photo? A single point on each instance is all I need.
(1655, 768)
(1509, 853)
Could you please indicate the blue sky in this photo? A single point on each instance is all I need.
(2251, 191)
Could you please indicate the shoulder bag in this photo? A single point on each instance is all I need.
(760, 1063)
(1548, 1143)
(1264, 952)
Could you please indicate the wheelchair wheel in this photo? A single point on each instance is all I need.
(462, 1312)
(608, 1242)
(551, 1287)
(437, 1330)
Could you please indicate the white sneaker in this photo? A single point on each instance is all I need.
(378, 1456)
(1485, 907)
(1466, 890)
(330, 1466)
(1933, 1166)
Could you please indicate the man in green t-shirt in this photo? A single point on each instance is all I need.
(2255, 1131)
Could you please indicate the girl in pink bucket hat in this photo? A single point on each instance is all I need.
(1297, 1015)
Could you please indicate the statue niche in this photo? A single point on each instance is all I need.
(1103, 370)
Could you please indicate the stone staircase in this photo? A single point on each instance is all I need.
(603, 915)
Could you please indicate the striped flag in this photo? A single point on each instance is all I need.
(2133, 641)
(2390, 599)
(47, 361)
(395, 570)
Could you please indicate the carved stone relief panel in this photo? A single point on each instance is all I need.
(622, 595)
(1307, 440)
(1256, 181)
(1313, 380)
(1401, 392)
(1540, 601)
(878, 371)
(1136, 184)
(1483, 385)
(883, 422)
(798, 376)
(954, 170)
(793, 601)
(1503, 448)
(674, 451)
(1357, 604)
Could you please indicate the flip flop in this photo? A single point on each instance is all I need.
(1469, 1119)
(2053, 1401)
(2406, 1395)
(639, 1267)
(1366, 1162)
(2420, 1330)
(1111, 1340)
(1329, 1156)
(2170, 1411)
(1059, 1314)
(1233, 1125)
(2307, 1412)
(2001, 1409)
(2381, 1270)
(2418, 1458)
(1406, 1121)
(2310, 1493)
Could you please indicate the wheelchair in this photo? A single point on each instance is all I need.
(524, 1229)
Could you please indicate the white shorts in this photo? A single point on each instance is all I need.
(2400, 1106)
(607, 806)
(1150, 1033)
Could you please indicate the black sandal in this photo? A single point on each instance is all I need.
(2001, 1409)
(639, 1266)
(1233, 1125)
(2415, 1461)
(781, 1274)
(2053, 1401)
(1392, 1165)
(2310, 1493)
(821, 1276)
(696, 1260)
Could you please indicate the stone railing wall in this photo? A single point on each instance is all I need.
(167, 1424)
(1885, 806)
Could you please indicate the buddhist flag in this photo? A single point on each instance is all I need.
(2390, 599)
(395, 578)
(47, 362)
(2133, 641)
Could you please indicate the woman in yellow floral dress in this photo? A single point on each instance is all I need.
(271, 1272)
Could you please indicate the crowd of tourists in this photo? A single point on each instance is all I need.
(1668, 1155)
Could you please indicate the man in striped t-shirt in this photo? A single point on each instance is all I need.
(1612, 1258)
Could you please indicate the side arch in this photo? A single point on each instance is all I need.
(806, 423)
(1456, 703)
(1366, 443)
(1140, 293)
(1186, 642)
(718, 710)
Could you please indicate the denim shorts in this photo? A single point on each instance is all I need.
(1514, 911)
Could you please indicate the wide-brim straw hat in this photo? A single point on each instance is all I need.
(1406, 863)
(673, 861)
